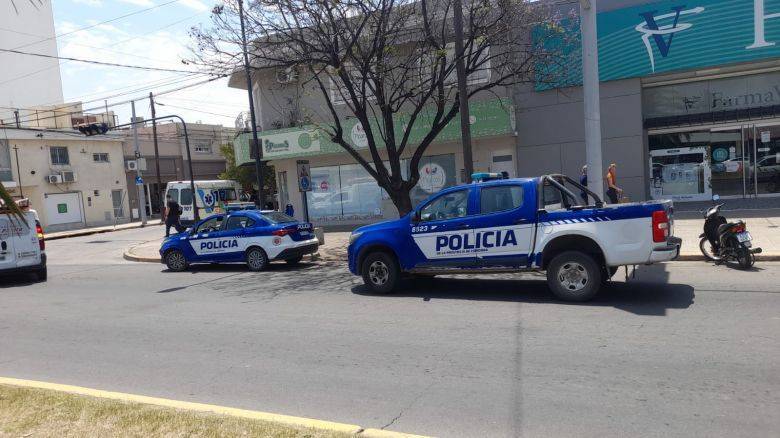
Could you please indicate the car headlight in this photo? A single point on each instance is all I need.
(353, 237)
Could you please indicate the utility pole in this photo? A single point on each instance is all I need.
(591, 99)
(255, 141)
(18, 171)
(137, 149)
(156, 153)
(465, 126)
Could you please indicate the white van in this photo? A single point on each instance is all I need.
(212, 195)
(22, 248)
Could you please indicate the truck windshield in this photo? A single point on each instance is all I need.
(276, 217)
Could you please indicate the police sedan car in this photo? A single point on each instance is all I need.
(245, 236)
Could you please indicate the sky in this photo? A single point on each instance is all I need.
(156, 38)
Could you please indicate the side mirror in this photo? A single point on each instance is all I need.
(541, 211)
(416, 216)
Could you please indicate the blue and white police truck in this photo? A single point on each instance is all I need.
(499, 225)
(246, 236)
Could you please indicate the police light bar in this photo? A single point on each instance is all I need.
(488, 176)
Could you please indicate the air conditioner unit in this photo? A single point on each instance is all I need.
(54, 179)
(68, 176)
(286, 75)
(131, 165)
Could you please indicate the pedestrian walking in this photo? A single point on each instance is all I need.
(584, 183)
(172, 216)
(613, 191)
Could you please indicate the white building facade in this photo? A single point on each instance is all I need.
(25, 80)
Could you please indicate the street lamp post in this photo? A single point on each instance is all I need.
(196, 215)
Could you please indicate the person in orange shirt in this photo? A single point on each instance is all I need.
(613, 191)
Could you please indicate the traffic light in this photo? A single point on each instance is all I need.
(93, 129)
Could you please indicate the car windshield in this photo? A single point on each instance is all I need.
(276, 217)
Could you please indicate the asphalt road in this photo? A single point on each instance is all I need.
(685, 349)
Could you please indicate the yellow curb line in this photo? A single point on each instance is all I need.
(201, 407)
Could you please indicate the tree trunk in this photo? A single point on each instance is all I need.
(402, 201)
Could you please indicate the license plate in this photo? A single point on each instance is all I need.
(744, 237)
(305, 234)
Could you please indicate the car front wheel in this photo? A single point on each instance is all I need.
(574, 276)
(380, 272)
(175, 260)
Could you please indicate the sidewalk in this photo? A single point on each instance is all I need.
(98, 230)
(765, 232)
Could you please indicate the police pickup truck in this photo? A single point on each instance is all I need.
(242, 236)
(499, 225)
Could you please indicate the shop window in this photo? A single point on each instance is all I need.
(436, 173)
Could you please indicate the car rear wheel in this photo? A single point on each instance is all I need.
(175, 260)
(380, 272)
(574, 276)
(256, 259)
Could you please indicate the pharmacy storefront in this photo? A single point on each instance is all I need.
(709, 78)
(343, 193)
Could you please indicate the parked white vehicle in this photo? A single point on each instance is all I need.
(22, 247)
(211, 196)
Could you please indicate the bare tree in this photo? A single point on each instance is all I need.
(388, 63)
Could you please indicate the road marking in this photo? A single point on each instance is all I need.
(201, 407)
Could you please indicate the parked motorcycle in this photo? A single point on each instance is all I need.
(724, 241)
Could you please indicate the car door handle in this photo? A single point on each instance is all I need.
(521, 221)
(464, 226)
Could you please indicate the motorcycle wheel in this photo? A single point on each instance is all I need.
(745, 258)
(707, 250)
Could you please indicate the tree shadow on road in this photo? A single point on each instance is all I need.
(637, 296)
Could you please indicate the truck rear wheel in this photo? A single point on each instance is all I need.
(574, 276)
(380, 272)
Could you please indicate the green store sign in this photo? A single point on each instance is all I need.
(666, 36)
(488, 118)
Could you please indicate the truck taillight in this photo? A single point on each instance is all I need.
(660, 226)
(39, 232)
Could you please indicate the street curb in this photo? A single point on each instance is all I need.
(201, 407)
(128, 255)
(89, 232)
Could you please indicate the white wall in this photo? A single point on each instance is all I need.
(39, 80)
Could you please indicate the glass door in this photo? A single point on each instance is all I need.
(728, 160)
(763, 141)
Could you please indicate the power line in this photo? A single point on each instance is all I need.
(97, 24)
(196, 110)
(102, 108)
(146, 35)
(89, 61)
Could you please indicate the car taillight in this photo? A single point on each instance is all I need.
(282, 232)
(41, 241)
(660, 226)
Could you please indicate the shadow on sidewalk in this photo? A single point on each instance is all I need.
(637, 296)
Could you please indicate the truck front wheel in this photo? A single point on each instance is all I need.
(574, 276)
(380, 272)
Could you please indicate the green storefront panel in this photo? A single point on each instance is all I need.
(488, 118)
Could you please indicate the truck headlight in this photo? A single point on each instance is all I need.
(353, 237)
